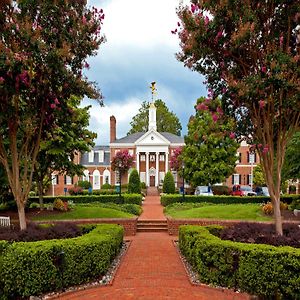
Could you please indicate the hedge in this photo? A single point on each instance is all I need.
(125, 198)
(170, 199)
(32, 268)
(262, 270)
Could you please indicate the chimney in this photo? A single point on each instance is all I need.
(112, 129)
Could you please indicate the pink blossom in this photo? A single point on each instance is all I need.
(264, 69)
(265, 149)
(232, 135)
(206, 21)
(281, 40)
(224, 90)
(261, 104)
(220, 110)
(201, 106)
(52, 105)
(219, 34)
(86, 65)
(215, 117)
(84, 20)
(1, 80)
(193, 8)
(56, 101)
(259, 146)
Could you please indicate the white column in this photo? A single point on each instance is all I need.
(157, 168)
(147, 168)
(167, 162)
(138, 163)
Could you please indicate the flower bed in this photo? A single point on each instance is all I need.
(262, 270)
(33, 268)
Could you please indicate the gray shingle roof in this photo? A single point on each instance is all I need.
(106, 161)
(174, 139)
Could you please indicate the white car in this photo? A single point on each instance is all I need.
(203, 190)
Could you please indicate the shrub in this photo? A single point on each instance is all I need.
(76, 190)
(268, 208)
(59, 205)
(34, 205)
(169, 185)
(106, 186)
(34, 265)
(169, 199)
(220, 190)
(84, 184)
(292, 189)
(295, 204)
(263, 270)
(143, 185)
(134, 184)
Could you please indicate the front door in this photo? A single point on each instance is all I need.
(152, 180)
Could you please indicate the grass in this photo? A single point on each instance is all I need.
(217, 211)
(87, 212)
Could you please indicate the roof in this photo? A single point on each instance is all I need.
(106, 161)
(132, 138)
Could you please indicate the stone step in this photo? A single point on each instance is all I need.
(152, 229)
(151, 225)
(154, 221)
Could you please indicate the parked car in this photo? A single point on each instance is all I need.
(242, 190)
(203, 191)
(262, 191)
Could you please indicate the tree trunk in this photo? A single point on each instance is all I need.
(40, 190)
(21, 213)
(277, 216)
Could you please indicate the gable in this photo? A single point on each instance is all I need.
(152, 138)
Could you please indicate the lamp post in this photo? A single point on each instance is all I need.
(183, 192)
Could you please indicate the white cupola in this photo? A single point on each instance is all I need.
(152, 117)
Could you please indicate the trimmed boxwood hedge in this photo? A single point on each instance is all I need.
(262, 270)
(170, 199)
(125, 198)
(32, 268)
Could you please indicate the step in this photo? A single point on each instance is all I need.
(151, 229)
(154, 221)
(152, 225)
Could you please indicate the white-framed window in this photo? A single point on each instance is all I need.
(68, 180)
(152, 157)
(101, 156)
(143, 176)
(249, 179)
(161, 177)
(54, 179)
(143, 157)
(236, 179)
(130, 151)
(86, 175)
(174, 173)
(91, 156)
(161, 157)
(106, 176)
(239, 157)
(96, 180)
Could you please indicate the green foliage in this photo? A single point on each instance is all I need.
(221, 190)
(143, 185)
(59, 205)
(295, 204)
(166, 121)
(258, 176)
(210, 149)
(134, 184)
(169, 199)
(262, 270)
(169, 184)
(34, 265)
(125, 198)
(106, 186)
(85, 184)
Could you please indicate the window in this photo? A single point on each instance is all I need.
(106, 176)
(249, 179)
(86, 175)
(130, 151)
(143, 176)
(152, 157)
(161, 157)
(68, 180)
(101, 156)
(161, 177)
(239, 157)
(236, 179)
(91, 156)
(96, 180)
(143, 157)
(54, 179)
(174, 173)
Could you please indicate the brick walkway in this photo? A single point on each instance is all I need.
(152, 269)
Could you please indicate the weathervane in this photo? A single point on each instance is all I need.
(153, 89)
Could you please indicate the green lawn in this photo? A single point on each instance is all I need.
(217, 211)
(81, 212)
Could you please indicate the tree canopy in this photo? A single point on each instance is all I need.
(249, 52)
(43, 50)
(258, 176)
(166, 120)
(209, 154)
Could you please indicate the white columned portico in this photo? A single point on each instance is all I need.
(147, 168)
(138, 162)
(167, 162)
(157, 168)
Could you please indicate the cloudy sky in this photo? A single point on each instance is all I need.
(139, 49)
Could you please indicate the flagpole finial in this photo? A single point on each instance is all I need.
(153, 89)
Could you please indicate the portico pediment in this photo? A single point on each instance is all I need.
(152, 138)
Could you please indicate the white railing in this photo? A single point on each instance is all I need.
(5, 221)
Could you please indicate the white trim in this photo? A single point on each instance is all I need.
(121, 145)
(243, 166)
(155, 133)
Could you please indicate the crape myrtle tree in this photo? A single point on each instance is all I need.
(43, 50)
(122, 162)
(57, 153)
(209, 153)
(166, 120)
(249, 52)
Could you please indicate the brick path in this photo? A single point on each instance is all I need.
(152, 269)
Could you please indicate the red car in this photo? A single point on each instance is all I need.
(242, 190)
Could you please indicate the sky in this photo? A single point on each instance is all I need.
(140, 49)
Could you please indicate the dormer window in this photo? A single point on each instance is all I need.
(101, 156)
(91, 156)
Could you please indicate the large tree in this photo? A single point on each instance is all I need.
(67, 139)
(209, 154)
(166, 120)
(43, 50)
(249, 52)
